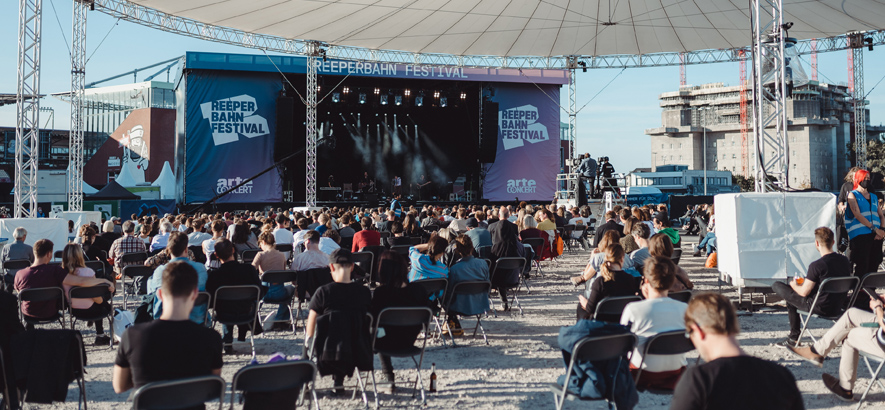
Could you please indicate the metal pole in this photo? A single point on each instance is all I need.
(311, 145)
(78, 79)
(704, 111)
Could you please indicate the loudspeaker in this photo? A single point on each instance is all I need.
(488, 132)
(285, 135)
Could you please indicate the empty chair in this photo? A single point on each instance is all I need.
(872, 281)
(566, 234)
(677, 254)
(664, 343)
(268, 384)
(199, 255)
(139, 276)
(249, 255)
(42, 296)
(506, 275)
(478, 289)
(611, 308)
(592, 349)
(402, 317)
(178, 394)
(10, 268)
(682, 296)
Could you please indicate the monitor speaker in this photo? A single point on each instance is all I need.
(488, 132)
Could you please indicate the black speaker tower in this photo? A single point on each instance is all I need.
(488, 132)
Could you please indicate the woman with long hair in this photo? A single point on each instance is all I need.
(597, 257)
(411, 228)
(612, 281)
(427, 260)
(661, 245)
(627, 241)
(242, 238)
(863, 221)
(73, 262)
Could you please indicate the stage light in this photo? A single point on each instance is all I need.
(384, 99)
(346, 90)
(463, 96)
(318, 88)
(377, 91)
(362, 98)
(398, 100)
(419, 101)
(436, 94)
(407, 93)
(336, 97)
(443, 102)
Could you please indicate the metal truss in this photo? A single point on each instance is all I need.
(856, 42)
(572, 115)
(27, 126)
(78, 123)
(314, 50)
(162, 21)
(769, 85)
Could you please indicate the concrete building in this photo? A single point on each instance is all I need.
(678, 179)
(819, 131)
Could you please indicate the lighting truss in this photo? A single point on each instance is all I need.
(27, 126)
(78, 123)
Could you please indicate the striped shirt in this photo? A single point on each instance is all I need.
(424, 268)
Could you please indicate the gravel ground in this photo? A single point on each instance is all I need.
(522, 357)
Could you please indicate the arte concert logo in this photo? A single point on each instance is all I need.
(227, 183)
(521, 186)
(231, 117)
(520, 125)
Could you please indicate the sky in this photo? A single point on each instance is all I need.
(611, 123)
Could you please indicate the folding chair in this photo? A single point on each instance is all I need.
(683, 296)
(249, 255)
(7, 400)
(281, 276)
(306, 283)
(322, 324)
(90, 292)
(275, 377)
(484, 252)
(346, 242)
(874, 374)
(133, 272)
(178, 394)
(366, 261)
(99, 268)
(591, 349)
(403, 317)
(56, 336)
(875, 280)
(401, 249)
(566, 234)
(538, 245)
(827, 286)
(509, 264)
(435, 288)
(58, 255)
(11, 267)
(133, 258)
(376, 251)
(203, 299)
(241, 293)
(677, 254)
(664, 343)
(467, 289)
(44, 295)
(199, 256)
(611, 308)
(285, 248)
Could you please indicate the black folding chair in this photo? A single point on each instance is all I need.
(199, 256)
(99, 268)
(469, 289)
(287, 249)
(366, 261)
(538, 245)
(402, 250)
(484, 252)
(872, 281)
(281, 276)
(43, 295)
(7, 400)
(346, 242)
(180, 394)
(504, 265)
(664, 343)
(203, 299)
(98, 291)
(591, 349)
(133, 258)
(47, 349)
(433, 288)
(676, 256)
(322, 328)
(610, 309)
(11, 267)
(58, 255)
(275, 377)
(241, 293)
(683, 296)
(566, 234)
(403, 317)
(249, 255)
(839, 285)
(139, 274)
(307, 282)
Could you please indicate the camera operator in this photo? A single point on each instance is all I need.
(587, 172)
(607, 170)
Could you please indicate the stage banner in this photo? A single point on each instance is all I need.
(527, 159)
(230, 129)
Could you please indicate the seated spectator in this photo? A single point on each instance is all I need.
(172, 347)
(350, 298)
(398, 237)
(627, 242)
(662, 226)
(505, 243)
(581, 221)
(368, 236)
(460, 224)
(530, 229)
(312, 257)
(729, 379)
(610, 225)
(43, 275)
(427, 259)
(708, 242)
(640, 234)
(232, 273)
(93, 245)
(660, 245)
(197, 237)
(129, 243)
(325, 223)
(218, 228)
(243, 239)
(478, 235)
(849, 333)
(801, 296)
(145, 235)
(467, 269)
(17, 250)
(411, 228)
(394, 292)
(302, 225)
(159, 241)
(108, 233)
(282, 235)
(612, 282)
(176, 249)
(685, 219)
(74, 264)
(597, 257)
(280, 293)
(657, 313)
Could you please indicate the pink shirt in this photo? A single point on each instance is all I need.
(81, 303)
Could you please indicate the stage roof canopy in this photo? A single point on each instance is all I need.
(541, 28)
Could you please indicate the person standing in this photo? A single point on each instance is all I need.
(608, 171)
(587, 173)
(863, 220)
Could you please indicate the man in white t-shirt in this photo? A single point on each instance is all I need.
(581, 220)
(657, 313)
(281, 234)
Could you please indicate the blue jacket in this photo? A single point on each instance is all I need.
(469, 269)
(591, 379)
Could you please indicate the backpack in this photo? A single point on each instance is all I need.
(711, 261)
(557, 245)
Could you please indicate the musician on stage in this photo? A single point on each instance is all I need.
(397, 186)
(331, 181)
(423, 188)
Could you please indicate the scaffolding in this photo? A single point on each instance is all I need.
(78, 123)
(27, 125)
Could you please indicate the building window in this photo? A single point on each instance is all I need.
(671, 146)
(680, 145)
(733, 156)
(714, 143)
(662, 146)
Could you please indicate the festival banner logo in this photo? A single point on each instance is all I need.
(231, 117)
(520, 125)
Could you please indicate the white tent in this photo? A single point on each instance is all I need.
(125, 178)
(166, 182)
(524, 27)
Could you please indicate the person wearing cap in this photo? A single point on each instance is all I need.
(662, 226)
(478, 235)
(343, 296)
